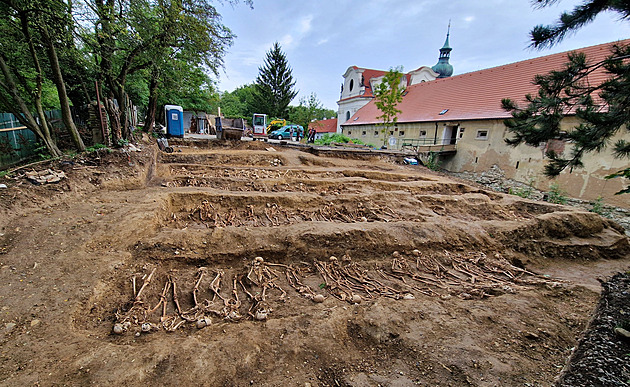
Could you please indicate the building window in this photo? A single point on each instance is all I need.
(349, 132)
(401, 133)
(423, 133)
(391, 132)
(461, 132)
(482, 135)
(376, 132)
(363, 133)
(347, 115)
(351, 84)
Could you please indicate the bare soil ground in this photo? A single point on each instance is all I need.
(214, 266)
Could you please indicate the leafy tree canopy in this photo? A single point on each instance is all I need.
(239, 102)
(309, 109)
(387, 95)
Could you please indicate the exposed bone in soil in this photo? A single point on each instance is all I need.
(213, 266)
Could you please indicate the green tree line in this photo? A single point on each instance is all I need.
(54, 53)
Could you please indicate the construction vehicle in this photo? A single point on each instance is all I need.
(259, 122)
(229, 128)
(275, 124)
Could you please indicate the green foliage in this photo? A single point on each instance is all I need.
(433, 161)
(339, 138)
(568, 89)
(387, 95)
(122, 142)
(96, 147)
(42, 153)
(274, 87)
(238, 103)
(598, 207)
(525, 192)
(189, 88)
(309, 109)
(582, 14)
(624, 173)
(556, 194)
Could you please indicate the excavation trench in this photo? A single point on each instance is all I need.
(224, 255)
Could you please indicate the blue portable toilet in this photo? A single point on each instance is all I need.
(174, 120)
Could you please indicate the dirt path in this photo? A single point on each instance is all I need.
(435, 282)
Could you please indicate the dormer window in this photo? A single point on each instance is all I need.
(351, 84)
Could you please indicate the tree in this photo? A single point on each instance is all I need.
(239, 102)
(41, 26)
(546, 36)
(274, 87)
(603, 109)
(195, 45)
(133, 36)
(387, 95)
(309, 109)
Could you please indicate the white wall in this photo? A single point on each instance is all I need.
(349, 106)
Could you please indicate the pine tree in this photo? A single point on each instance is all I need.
(603, 109)
(274, 87)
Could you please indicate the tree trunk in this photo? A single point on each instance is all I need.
(149, 121)
(106, 45)
(114, 115)
(21, 111)
(61, 91)
(43, 121)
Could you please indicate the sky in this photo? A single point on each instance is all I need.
(322, 38)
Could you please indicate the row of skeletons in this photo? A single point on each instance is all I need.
(471, 276)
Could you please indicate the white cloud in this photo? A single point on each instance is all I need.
(286, 41)
(305, 23)
(323, 38)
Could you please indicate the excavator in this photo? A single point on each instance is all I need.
(260, 127)
(275, 124)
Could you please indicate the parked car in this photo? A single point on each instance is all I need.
(284, 133)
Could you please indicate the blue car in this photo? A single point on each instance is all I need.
(284, 133)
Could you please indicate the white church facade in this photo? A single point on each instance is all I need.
(359, 83)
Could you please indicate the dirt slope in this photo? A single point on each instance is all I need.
(433, 282)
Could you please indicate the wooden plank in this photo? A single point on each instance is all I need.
(12, 129)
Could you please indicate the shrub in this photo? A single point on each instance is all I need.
(598, 207)
(556, 194)
(95, 147)
(328, 139)
(433, 161)
(525, 192)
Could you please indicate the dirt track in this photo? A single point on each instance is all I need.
(457, 285)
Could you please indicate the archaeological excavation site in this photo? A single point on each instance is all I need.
(249, 263)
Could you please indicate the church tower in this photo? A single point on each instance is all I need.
(442, 67)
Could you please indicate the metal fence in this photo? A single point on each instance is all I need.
(16, 142)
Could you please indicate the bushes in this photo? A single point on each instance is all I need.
(556, 194)
(328, 139)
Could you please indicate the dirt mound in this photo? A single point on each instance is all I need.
(152, 268)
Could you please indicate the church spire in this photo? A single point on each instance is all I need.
(443, 67)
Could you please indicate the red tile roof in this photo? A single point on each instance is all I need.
(477, 95)
(367, 75)
(324, 126)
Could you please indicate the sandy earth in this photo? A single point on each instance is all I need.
(434, 282)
